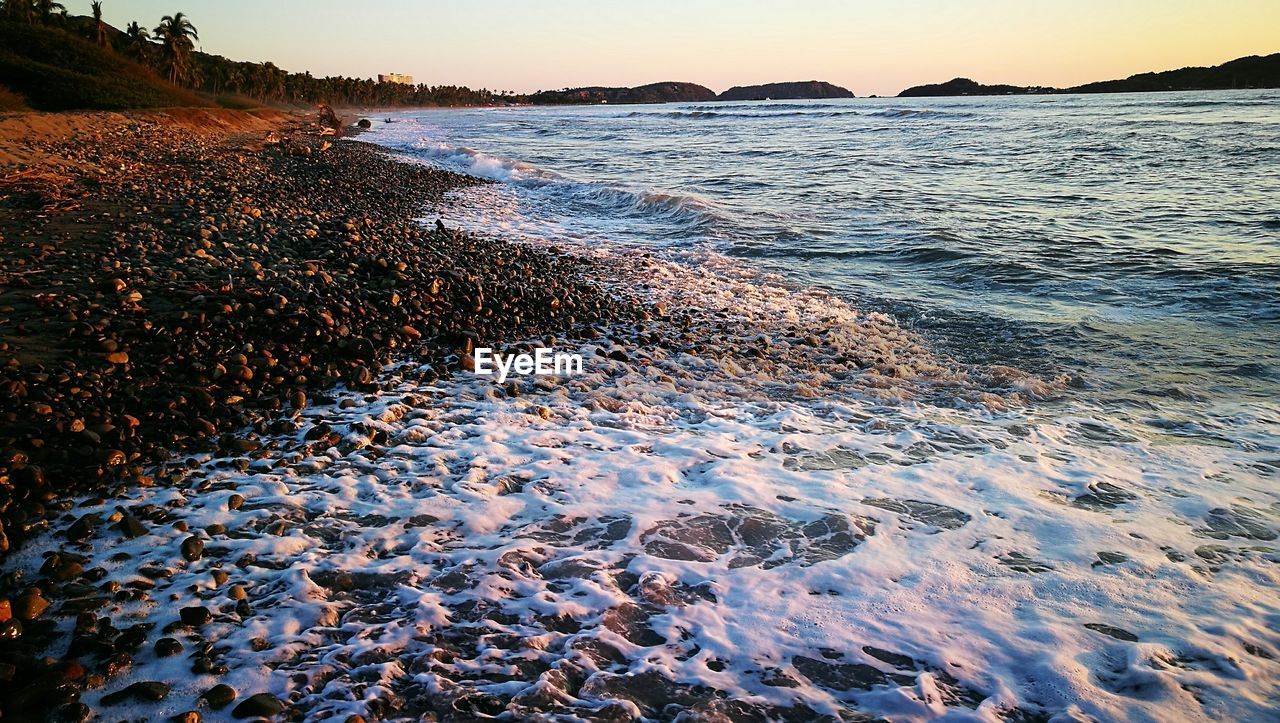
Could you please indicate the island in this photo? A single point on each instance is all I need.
(801, 90)
(667, 92)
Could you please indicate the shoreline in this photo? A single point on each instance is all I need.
(739, 453)
(183, 282)
(210, 321)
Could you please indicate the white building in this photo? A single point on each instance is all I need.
(395, 78)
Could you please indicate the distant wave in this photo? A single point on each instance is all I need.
(766, 106)
(718, 114)
(916, 112)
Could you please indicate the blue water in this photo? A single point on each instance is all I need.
(1132, 240)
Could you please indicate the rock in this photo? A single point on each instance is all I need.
(202, 665)
(132, 527)
(11, 629)
(30, 606)
(219, 696)
(195, 616)
(262, 705)
(83, 528)
(192, 548)
(166, 647)
(75, 713)
(146, 690)
(190, 716)
(234, 502)
(236, 592)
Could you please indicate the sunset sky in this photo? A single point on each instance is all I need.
(869, 47)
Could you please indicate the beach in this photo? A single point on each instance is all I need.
(250, 471)
(180, 283)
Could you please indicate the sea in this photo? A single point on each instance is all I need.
(971, 412)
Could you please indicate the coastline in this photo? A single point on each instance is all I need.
(740, 453)
(227, 271)
(181, 283)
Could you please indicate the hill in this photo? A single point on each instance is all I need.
(1253, 71)
(55, 70)
(668, 92)
(799, 90)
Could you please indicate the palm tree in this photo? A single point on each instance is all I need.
(47, 8)
(138, 40)
(22, 11)
(99, 27)
(175, 33)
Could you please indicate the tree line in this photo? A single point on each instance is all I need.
(169, 50)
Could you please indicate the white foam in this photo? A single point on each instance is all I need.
(618, 498)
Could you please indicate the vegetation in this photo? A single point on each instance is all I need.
(1253, 71)
(1249, 72)
(32, 30)
(652, 93)
(50, 60)
(965, 86)
(56, 70)
(799, 90)
(175, 33)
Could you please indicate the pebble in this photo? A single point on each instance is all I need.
(145, 690)
(30, 606)
(195, 616)
(192, 548)
(166, 647)
(262, 705)
(219, 696)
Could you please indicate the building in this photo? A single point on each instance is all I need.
(395, 78)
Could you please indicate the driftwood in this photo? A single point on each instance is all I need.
(329, 121)
(40, 189)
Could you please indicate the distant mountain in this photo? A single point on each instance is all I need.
(669, 92)
(964, 86)
(1253, 71)
(800, 90)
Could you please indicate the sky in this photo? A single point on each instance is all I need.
(869, 46)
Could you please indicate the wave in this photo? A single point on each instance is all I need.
(766, 106)
(719, 114)
(691, 212)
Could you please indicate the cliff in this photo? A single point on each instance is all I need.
(801, 90)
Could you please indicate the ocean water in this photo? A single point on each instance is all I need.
(973, 416)
(1132, 239)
